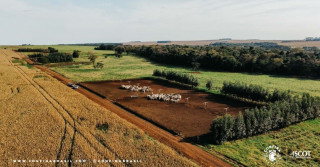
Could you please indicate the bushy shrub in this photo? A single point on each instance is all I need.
(119, 50)
(209, 85)
(52, 50)
(76, 54)
(99, 65)
(157, 73)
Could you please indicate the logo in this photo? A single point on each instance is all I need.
(272, 153)
(300, 154)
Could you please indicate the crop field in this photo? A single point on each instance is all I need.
(41, 118)
(188, 118)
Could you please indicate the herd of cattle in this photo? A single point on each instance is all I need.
(162, 97)
(136, 88)
(165, 97)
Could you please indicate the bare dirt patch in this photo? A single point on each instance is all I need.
(185, 118)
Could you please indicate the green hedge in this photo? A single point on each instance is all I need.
(254, 92)
(51, 57)
(178, 77)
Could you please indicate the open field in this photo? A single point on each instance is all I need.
(41, 118)
(250, 152)
(186, 118)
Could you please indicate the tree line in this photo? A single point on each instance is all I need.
(32, 50)
(254, 92)
(107, 46)
(312, 39)
(51, 57)
(265, 45)
(254, 59)
(274, 116)
(49, 50)
(180, 77)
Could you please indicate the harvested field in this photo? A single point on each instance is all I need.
(187, 117)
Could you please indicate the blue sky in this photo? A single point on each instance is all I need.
(80, 21)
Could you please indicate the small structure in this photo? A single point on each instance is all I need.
(205, 105)
(134, 96)
(226, 109)
(187, 99)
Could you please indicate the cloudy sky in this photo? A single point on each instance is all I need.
(85, 21)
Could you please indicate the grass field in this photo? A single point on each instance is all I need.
(130, 66)
(250, 152)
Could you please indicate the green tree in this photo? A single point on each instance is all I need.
(76, 54)
(92, 57)
(209, 85)
(195, 66)
(250, 121)
(119, 50)
(99, 65)
(222, 128)
(239, 127)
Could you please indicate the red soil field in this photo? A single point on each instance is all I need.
(188, 119)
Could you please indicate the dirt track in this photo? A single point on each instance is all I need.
(187, 149)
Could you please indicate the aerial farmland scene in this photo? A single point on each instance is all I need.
(160, 83)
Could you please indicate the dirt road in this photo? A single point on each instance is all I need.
(187, 149)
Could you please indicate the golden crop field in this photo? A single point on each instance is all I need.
(42, 119)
